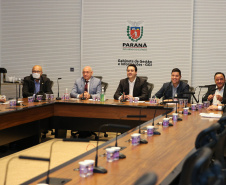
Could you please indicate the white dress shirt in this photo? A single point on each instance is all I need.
(217, 92)
(131, 86)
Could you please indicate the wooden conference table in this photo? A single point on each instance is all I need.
(29, 118)
(164, 154)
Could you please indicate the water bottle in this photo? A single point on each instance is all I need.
(66, 95)
(102, 95)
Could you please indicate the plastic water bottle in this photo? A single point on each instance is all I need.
(102, 95)
(66, 95)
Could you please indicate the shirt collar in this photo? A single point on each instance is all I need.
(221, 89)
(133, 80)
(176, 86)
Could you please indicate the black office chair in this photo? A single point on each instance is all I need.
(221, 145)
(144, 77)
(104, 85)
(205, 174)
(208, 137)
(185, 81)
(191, 161)
(147, 179)
(150, 88)
(99, 77)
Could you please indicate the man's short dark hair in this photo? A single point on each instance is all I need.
(176, 70)
(219, 73)
(132, 65)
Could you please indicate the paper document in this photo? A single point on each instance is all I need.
(210, 115)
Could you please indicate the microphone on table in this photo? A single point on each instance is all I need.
(204, 86)
(83, 98)
(99, 169)
(58, 97)
(153, 124)
(123, 97)
(96, 168)
(57, 180)
(23, 157)
(17, 103)
(200, 88)
(121, 156)
(190, 93)
(142, 141)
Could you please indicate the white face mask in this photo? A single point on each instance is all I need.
(36, 75)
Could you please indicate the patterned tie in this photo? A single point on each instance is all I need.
(86, 86)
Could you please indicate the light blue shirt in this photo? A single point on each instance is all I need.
(37, 86)
(174, 90)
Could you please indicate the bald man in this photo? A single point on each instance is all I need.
(87, 85)
(36, 83)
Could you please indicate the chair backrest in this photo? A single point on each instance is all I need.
(147, 179)
(221, 144)
(150, 88)
(104, 85)
(208, 137)
(185, 81)
(51, 83)
(191, 89)
(144, 77)
(99, 77)
(205, 174)
(191, 161)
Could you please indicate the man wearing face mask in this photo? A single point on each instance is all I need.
(36, 83)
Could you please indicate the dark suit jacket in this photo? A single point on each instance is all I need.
(140, 88)
(29, 86)
(211, 90)
(167, 90)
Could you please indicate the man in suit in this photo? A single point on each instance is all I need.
(87, 85)
(175, 88)
(132, 86)
(216, 93)
(36, 83)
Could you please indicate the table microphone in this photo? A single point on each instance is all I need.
(204, 86)
(83, 98)
(121, 156)
(59, 181)
(123, 97)
(17, 103)
(142, 141)
(58, 97)
(99, 169)
(23, 157)
(153, 124)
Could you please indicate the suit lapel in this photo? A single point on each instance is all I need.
(136, 86)
(126, 88)
(41, 84)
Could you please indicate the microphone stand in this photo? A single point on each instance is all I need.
(83, 96)
(123, 97)
(98, 169)
(153, 124)
(23, 157)
(60, 180)
(142, 141)
(17, 103)
(58, 97)
(121, 156)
